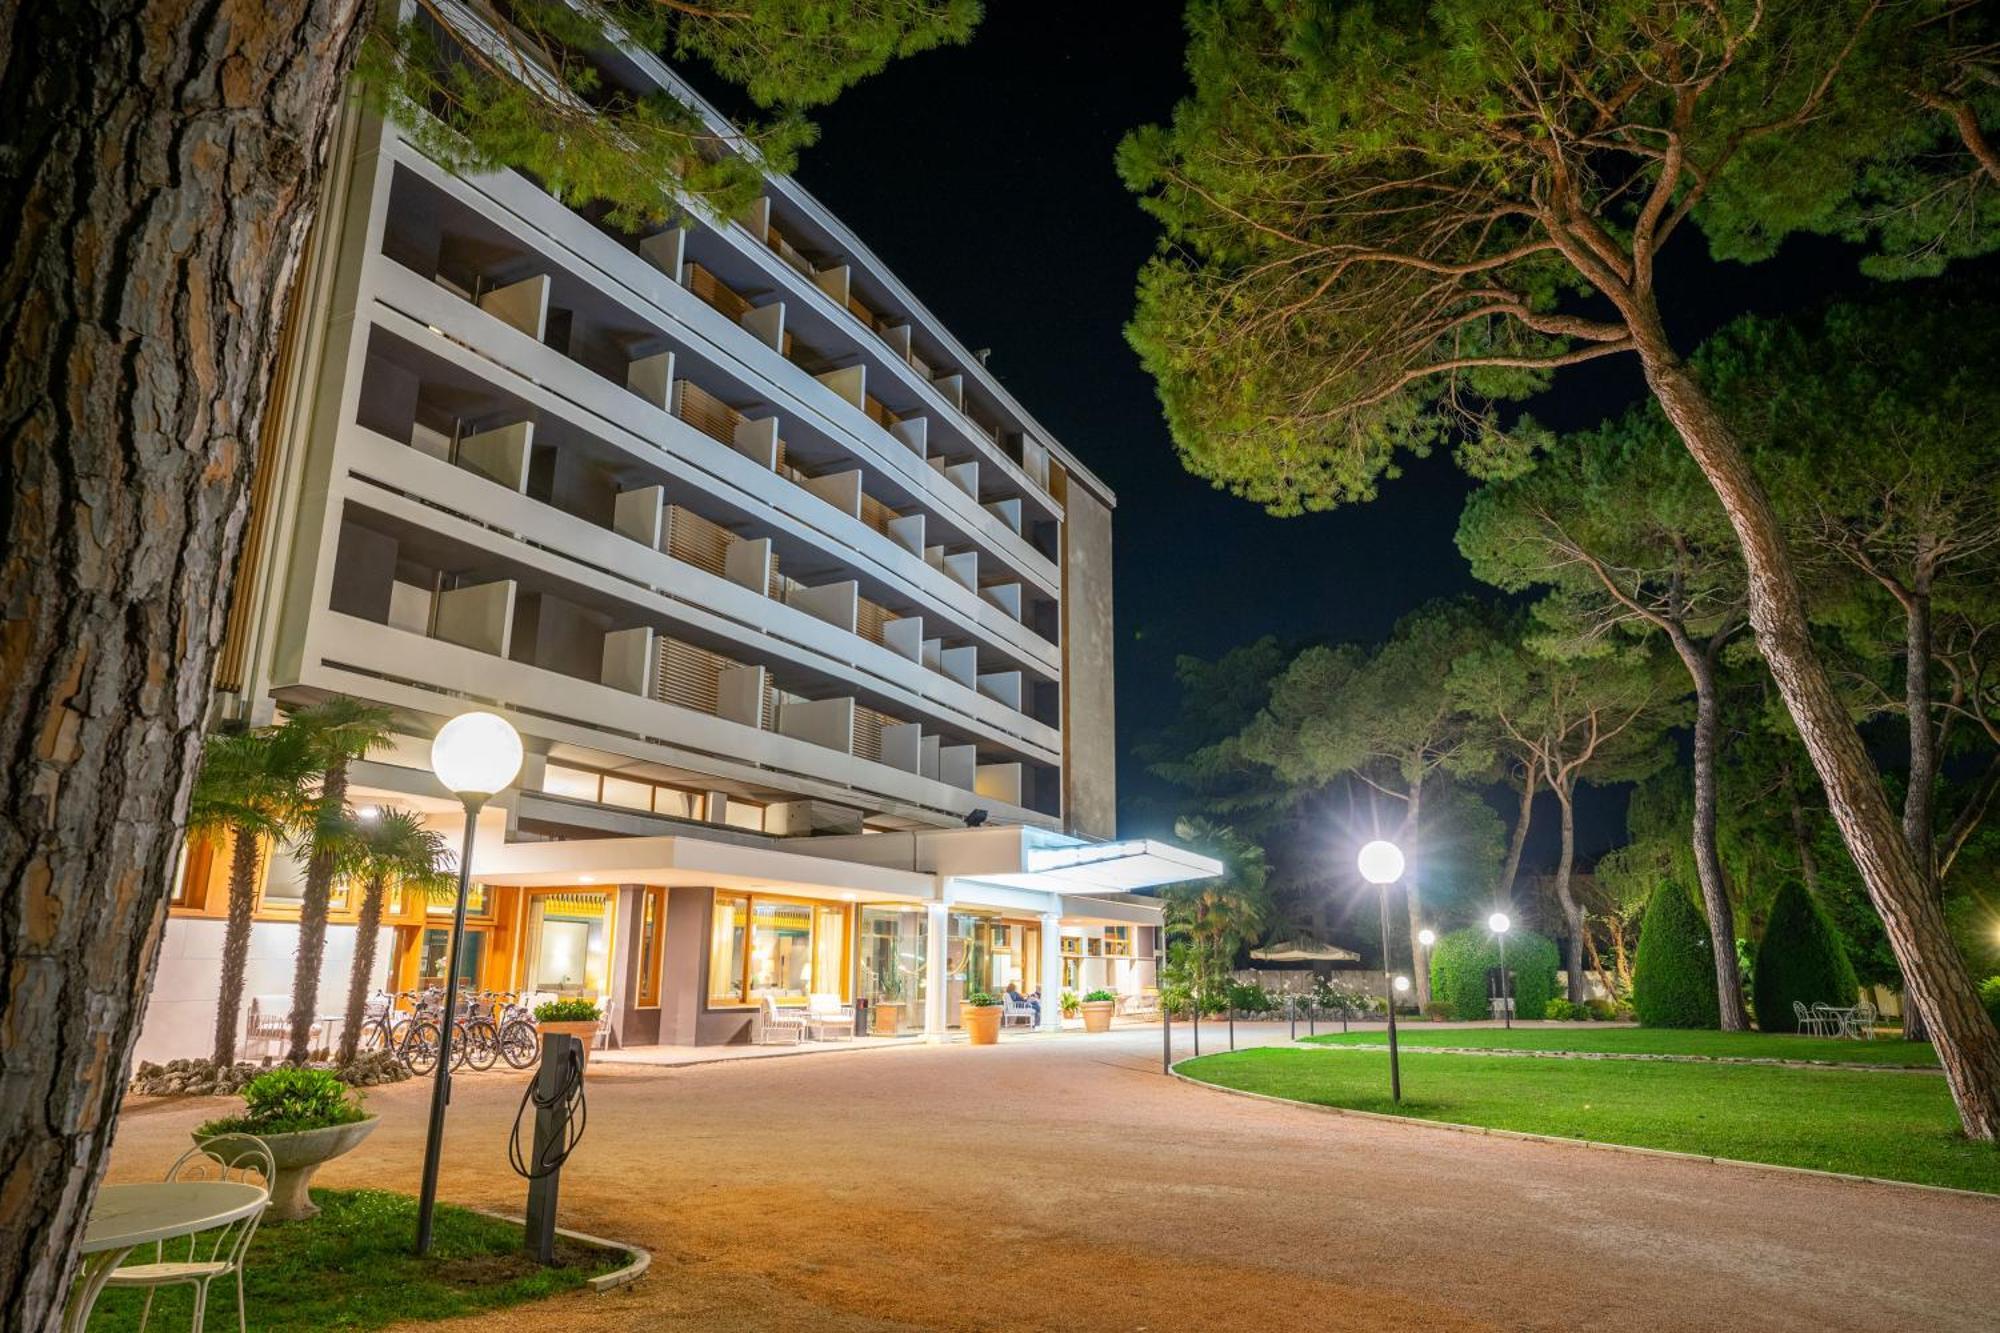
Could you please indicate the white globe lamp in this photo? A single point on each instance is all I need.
(476, 754)
(1402, 985)
(1380, 862)
(1427, 937)
(1498, 923)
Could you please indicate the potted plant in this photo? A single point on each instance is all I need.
(982, 1018)
(575, 1017)
(306, 1117)
(886, 1014)
(1098, 1006)
(1071, 1006)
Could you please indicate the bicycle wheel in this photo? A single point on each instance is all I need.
(420, 1047)
(520, 1045)
(482, 1044)
(375, 1037)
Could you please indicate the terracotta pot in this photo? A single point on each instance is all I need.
(585, 1032)
(884, 1019)
(296, 1156)
(982, 1024)
(1097, 1015)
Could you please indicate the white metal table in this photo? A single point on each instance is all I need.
(128, 1216)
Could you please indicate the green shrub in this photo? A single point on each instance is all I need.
(1248, 999)
(288, 1101)
(1560, 1010)
(1989, 993)
(1099, 996)
(567, 1011)
(980, 999)
(1600, 1011)
(1799, 959)
(1673, 976)
(1460, 962)
(1437, 1011)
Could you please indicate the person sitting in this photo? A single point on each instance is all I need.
(1033, 1003)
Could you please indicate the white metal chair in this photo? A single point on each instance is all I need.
(1832, 1023)
(270, 1021)
(210, 1254)
(1015, 1009)
(1810, 1021)
(825, 1015)
(781, 1021)
(1861, 1026)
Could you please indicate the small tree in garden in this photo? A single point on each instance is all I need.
(1462, 960)
(1673, 978)
(1216, 917)
(391, 845)
(1799, 959)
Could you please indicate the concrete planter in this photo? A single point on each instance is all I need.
(585, 1032)
(296, 1156)
(1097, 1015)
(982, 1024)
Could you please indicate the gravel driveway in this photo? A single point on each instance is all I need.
(1062, 1183)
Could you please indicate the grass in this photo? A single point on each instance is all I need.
(1654, 1041)
(1890, 1125)
(351, 1268)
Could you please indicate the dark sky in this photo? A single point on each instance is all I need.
(983, 175)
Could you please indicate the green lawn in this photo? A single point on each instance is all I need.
(351, 1268)
(1653, 1041)
(1896, 1126)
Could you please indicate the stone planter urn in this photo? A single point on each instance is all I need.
(982, 1023)
(1097, 1015)
(584, 1031)
(884, 1019)
(297, 1156)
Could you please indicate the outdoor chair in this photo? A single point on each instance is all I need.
(826, 1014)
(780, 1022)
(270, 1022)
(1862, 1023)
(1014, 1009)
(210, 1254)
(1831, 1022)
(1810, 1021)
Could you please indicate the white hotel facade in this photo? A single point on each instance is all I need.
(781, 588)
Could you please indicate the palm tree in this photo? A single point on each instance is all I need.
(252, 786)
(342, 730)
(1219, 916)
(390, 845)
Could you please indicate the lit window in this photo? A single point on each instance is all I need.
(779, 947)
(744, 815)
(729, 949)
(652, 921)
(632, 795)
(577, 783)
(680, 804)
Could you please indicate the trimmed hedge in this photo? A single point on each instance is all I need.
(1799, 959)
(1673, 976)
(1989, 995)
(1461, 960)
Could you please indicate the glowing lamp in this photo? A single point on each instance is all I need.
(476, 754)
(1380, 862)
(1427, 937)
(1498, 923)
(1402, 984)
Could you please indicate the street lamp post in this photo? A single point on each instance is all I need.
(475, 755)
(1499, 924)
(1381, 864)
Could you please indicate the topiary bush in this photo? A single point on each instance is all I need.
(574, 1010)
(1460, 962)
(1673, 976)
(1799, 959)
(1989, 994)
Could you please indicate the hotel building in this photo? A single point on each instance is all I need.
(805, 622)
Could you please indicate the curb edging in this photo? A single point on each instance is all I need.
(1563, 1141)
(1653, 1057)
(641, 1258)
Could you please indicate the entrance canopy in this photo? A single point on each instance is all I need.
(677, 859)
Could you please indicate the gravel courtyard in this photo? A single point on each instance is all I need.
(1062, 1183)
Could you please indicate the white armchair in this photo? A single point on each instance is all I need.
(825, 1015)
(781, 1022)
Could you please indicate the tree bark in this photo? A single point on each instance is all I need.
(1420, 978)
(236, 944)
(313, 908)
(367, 928)
(1919, 798)
(159, 165)
(1503, 896)
(1968, 1045)
(1707, 862)
(1573, 949)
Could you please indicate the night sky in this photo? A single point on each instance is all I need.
(983, 175)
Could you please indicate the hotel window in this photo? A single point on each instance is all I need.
(1072, 946)
(623, 791)
(743, 815)
(285, 880)
(568, 939)
(1118, 941)
(585, 784)
(774, 946)
(576, 783)
(652, 926)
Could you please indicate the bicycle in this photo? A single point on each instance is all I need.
(520, 1038)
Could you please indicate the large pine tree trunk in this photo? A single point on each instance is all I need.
(1420, 972)
(366, 929)
(1968, 1045)
(1572, 914)
(1918, 814)
(313, 908)
(235, 944)
(161, 162)
(1503, 896)
(1707, 862)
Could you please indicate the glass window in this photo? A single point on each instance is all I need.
(680, 804)
(630, 794)
(652, 921)
(579, 783)
(780, 949)
(892, 958)
(728, 949)
(743, 815)
(829, 938)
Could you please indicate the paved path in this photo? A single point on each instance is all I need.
(1064, 1184)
